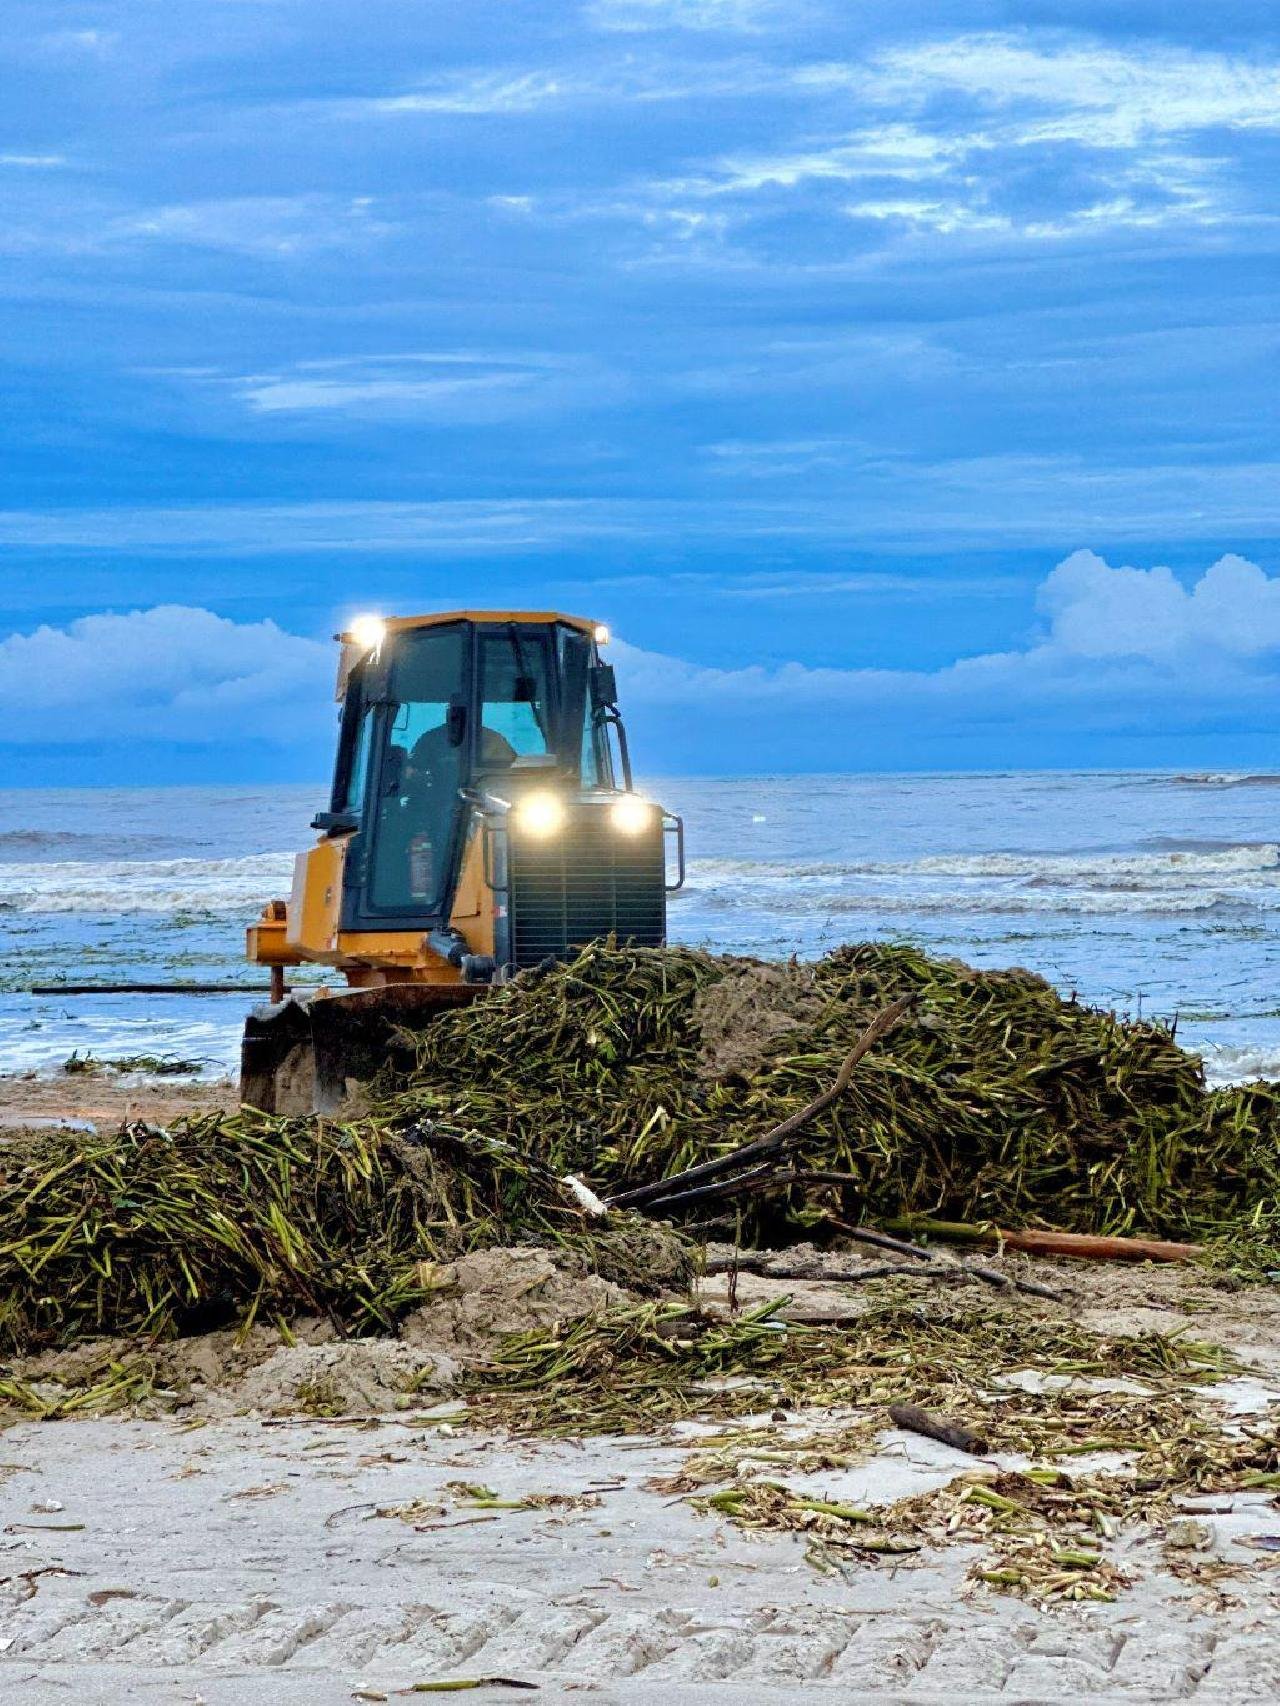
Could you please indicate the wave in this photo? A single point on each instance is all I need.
(145, 885)
(1180, 880)
(1228, 779)
(22, 843)
(1186, 879)
(1225, 1065)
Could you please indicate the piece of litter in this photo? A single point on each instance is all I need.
(585, 1197)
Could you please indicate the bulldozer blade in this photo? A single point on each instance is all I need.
(311, 1055)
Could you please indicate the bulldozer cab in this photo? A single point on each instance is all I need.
(451, 712)
(482, 821)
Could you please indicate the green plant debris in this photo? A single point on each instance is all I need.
(152, 1065)
(225, 1219)
(998, 1101)
(648, 1366)
(1045, 1535)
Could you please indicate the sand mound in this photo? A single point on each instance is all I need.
(359, 1377)
(492, 1292)
(742, 1019)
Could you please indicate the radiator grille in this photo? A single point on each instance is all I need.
(586, 882)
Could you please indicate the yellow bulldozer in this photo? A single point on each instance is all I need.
(483, 820)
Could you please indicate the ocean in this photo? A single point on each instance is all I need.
(1152, 893)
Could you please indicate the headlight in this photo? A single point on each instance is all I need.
(539, 814)
(631, 815)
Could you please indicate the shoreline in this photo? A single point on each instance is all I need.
(31, 1101)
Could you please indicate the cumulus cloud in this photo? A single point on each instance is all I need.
(1120, 648)
(171, 674)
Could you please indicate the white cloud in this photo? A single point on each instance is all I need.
(633, 16)
(171, 673)
(450, 527)
(895, 501)
(519, 91)
(947, 125)
(33, 162)
(1122, 647)
(96, 44)
(486, 92)
(1080, 89)
(453, 386)
(270, 226)
(1099, 612)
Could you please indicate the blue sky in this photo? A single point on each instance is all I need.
(900, 381)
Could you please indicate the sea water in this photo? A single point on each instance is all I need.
(1156, 894)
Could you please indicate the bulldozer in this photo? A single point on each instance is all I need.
(483, 821)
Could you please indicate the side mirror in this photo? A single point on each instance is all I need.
(604, 686)
(456, 723)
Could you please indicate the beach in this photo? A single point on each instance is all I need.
(285, 1560)
(224, 1537)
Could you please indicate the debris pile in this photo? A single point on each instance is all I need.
(983, 1098)
(993, 1100)
(229, 1218)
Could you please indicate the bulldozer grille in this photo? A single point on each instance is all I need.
(588, 881)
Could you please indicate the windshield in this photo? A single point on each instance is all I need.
(515, 698)
(585, 743)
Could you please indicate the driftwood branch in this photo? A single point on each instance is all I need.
(780, 1137)
(933, 1426)
(989, 1276)
(1035, 1242)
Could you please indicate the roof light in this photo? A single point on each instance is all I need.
(601, 634)
(368, 632)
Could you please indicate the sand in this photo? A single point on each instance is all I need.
(296, 1526)
(250, 1564)
(30, 1101)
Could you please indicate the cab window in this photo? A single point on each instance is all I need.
(516, 706)
(419, 775)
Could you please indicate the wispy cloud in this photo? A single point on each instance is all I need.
(34, 162)
(499, 527)
(73, 43)
(518, 91)
(281, 226)
(454, 386)
(634, 16)
(1036, 135)
(893, 502)
(1074, 88)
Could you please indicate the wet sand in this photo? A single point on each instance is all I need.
(31, 1101)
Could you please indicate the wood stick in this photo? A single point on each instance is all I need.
(988, 1276)
(933, 1426)
(1035, 1242)
(779, 1136)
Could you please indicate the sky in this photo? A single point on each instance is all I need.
(899, 381)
